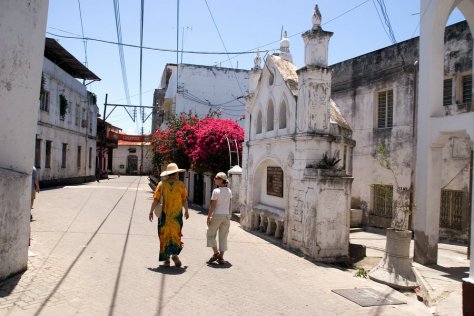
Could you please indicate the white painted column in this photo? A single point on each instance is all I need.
(429, 103)
(22, 36)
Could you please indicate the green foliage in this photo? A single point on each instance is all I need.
(361, 273)
(328, 162)
(63, 104)
(93, 98)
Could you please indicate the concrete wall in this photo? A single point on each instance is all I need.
(22, 37)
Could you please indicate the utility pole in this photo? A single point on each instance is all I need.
(141, 161)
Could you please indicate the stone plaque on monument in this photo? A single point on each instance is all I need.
(275, 181)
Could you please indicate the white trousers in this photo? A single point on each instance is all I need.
(219, 223)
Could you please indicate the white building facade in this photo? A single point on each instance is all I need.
(65, 150)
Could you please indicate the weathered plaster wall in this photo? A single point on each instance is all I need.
(22, 30)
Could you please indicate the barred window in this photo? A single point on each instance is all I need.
(44, 101)
(382, 200)
(385, 109)
(451, 209)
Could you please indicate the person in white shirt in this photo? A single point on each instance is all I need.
(218, 218)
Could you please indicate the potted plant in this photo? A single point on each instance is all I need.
(395, 268)
(327, 165)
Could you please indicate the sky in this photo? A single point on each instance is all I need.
(221, 26)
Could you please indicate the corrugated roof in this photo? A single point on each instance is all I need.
(67, 62)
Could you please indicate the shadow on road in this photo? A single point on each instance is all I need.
(169, 270)
(225, 265)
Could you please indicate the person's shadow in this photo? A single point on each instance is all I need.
(215, 265)
(169, 270)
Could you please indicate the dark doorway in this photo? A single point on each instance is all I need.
(132, 164)
(198, 189)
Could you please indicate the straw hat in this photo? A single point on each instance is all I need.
(222, 176)
(170, 169)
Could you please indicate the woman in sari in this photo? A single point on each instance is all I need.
(174, 194)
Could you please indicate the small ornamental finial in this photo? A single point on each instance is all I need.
(316, 18)
(257, 61)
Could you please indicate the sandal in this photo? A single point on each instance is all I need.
(220, 259)
(214, 257)
(176, 261)
(166, 263)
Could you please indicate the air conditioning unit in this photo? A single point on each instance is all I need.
(84, 123)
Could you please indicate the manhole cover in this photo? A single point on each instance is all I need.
(368, 297)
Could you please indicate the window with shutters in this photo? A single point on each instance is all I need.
(64, 156)
(385, 109)
(38, 153)
(448, 91)
(467, 89)
(47, 161)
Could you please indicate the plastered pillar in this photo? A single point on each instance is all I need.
(22, 37)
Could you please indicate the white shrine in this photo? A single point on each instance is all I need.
(293, 129)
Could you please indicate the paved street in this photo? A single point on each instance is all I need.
(94, 252)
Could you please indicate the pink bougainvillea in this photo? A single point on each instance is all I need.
(200, 144)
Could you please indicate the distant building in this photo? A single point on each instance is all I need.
(127, 158)
(66, 132)
(106, 143)
(201, 90)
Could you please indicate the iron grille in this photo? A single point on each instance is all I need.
(451, 209)
(383, 200)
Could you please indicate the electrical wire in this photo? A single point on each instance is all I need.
(223, 44)
(122, 57)
(82, 29)
(142, 110)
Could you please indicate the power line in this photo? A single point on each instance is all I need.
(299, 33)
(223, 44)
(122, 57)
(82, 28)
(154, 48)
